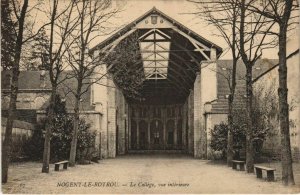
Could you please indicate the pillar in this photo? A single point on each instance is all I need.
(164, 121)
(138, 134)
(199, 149)
(148, 133)
(175, 133)
(184, 126)
(191, 123)
(111, 123)
(205, 90)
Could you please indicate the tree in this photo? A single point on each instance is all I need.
(224, 15)
(264, 110)
(60, 138)
(8, 37)
(123, 60)
(280, 11)
(39, 53)
(92, 17)
(253, 30)
(61, 24)
(14, 89)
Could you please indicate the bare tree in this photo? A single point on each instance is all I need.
(92, 17)
(224, 15)
(253, 30)
(281, 12)
(61, 26)
(20, 15)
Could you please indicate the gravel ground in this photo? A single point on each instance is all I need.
(143, 174)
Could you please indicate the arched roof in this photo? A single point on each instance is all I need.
(171, 54)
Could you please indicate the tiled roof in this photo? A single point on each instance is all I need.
(17, 124)
(32, 80)
(27, 80)
(223, 67)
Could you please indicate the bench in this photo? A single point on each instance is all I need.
(269, 170)
(240, 163)
(65, 165)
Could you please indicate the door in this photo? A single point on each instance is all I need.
(156, 131)
(143, 127)
(170, 134)
(133, 135)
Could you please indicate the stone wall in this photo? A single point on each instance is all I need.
(211, 120)
(27, 99)
(270, 79)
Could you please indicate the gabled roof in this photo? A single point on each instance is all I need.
(169, 19)
(220, 105)
(39, 82)
(28, 80)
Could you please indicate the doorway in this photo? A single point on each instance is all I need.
(156, 139)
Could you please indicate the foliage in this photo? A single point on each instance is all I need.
(8, 37)
(219, 138)
(86, 141)
(38, 58)
(264, 110)
(126, 60)
(61, 128)
(33, 148)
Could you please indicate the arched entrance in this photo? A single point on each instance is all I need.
(170, 134)
(156, 135)
(133, 134)
(143, 127)
(179, 134)
(168, 105)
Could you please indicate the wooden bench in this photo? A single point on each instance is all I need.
(240, 163)
(65, 165)
(269, 170)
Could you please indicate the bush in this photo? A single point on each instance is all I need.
(85, 143)
(219, 138)
(33, 147)
(60, 144)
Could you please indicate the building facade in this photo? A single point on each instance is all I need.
(184, 93)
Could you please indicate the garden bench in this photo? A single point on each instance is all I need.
(65, 165)
(269, 170)
(240, 163)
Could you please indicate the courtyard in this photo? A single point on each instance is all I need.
(137, 173)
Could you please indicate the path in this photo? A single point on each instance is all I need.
(140, 174)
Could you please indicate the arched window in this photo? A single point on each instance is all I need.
(170, 131)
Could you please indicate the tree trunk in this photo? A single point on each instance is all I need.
(75, 127)
(286, 155)
(47, 145)
(6, 150)
(230, 130)
(249, 130)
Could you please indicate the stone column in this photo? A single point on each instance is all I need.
(111, 123)
(164, 121)
(175, 133)
(184, 126)
(137, 133)
(148, 133)
(129, 127)
(198, 139)
(204, 91)
(191, 123)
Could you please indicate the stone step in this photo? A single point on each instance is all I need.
(157, 151)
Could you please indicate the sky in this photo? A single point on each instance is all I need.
(181, 11)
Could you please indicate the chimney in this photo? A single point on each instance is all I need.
(42, 79)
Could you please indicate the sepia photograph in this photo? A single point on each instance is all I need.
(150, 97)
